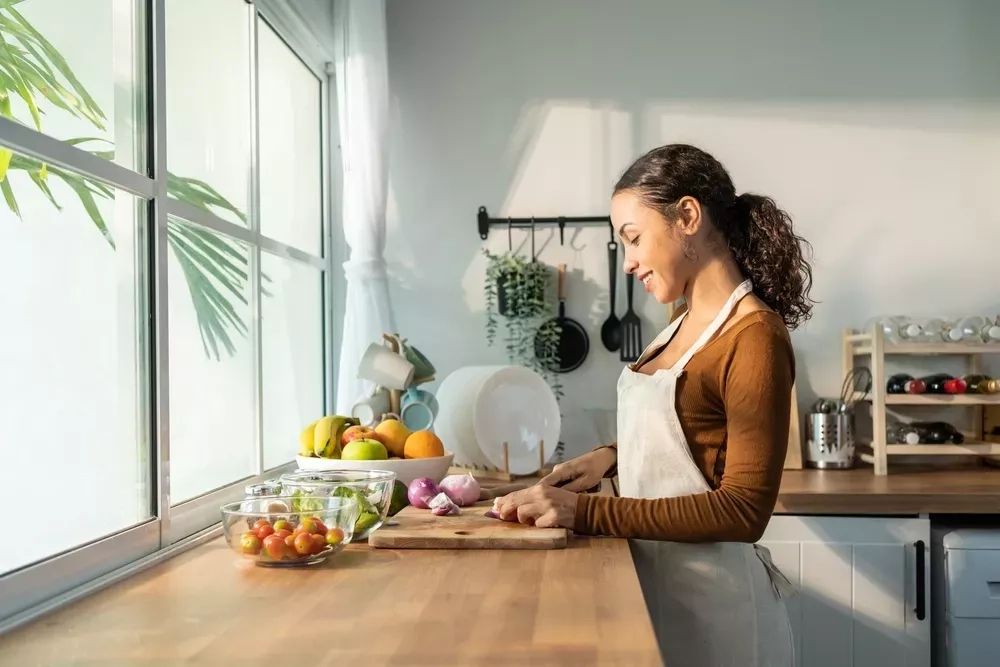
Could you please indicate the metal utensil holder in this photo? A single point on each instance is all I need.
(830, 439)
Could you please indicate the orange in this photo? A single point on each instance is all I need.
(423, 445)
(394, 435)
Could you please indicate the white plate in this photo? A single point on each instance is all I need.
(406, 470)
(515, 405)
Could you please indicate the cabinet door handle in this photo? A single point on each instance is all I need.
(921, 608)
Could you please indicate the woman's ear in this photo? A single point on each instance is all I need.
(689, 215)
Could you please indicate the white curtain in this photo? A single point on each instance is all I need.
(363, 111)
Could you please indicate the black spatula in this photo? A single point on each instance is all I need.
(631, 328)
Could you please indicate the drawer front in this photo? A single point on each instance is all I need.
(973, 583)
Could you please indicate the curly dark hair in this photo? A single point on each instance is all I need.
(759, 234)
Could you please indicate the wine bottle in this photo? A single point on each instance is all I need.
(938, 433)
(901, 383)
(902, 434)
(981, 384)
(942, 383)
(895, 328)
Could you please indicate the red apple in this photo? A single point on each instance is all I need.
(359, 433)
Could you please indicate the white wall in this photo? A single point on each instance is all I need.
(877, 127)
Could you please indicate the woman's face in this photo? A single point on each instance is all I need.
(654, 248)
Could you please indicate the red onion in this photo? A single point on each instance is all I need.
(420, 491)
(441, 505)
(462, 489)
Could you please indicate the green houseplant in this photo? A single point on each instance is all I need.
(517, 291)
(215, 268)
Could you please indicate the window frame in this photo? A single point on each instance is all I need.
(38, 588)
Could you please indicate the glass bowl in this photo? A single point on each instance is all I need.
(372, 489)
(250, 527)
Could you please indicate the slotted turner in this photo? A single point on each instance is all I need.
(631, 327)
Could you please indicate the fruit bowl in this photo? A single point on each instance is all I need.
(268, 531)
(406, 470)
(370, 489)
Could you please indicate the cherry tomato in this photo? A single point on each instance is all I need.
(319, 543)
(264, 531)
(260, 522)
(320, 526)
(283, 524)
(303, 544)
(250, 544)
(275, 547)
(290, 541)
(334, 536)
(308, 525)
(282, 533)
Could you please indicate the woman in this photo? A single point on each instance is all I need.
(703, 415)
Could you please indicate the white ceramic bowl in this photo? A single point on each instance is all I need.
(406, 470)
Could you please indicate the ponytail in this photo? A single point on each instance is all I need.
(759, 234)
(770, 254)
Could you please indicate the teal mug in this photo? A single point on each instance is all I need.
(418, 409)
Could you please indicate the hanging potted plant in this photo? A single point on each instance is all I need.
(518, 290)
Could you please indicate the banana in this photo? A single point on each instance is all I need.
(306, 439)
(326, 437)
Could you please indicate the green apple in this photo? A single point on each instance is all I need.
(364, 450)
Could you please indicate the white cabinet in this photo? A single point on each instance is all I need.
(859, 603)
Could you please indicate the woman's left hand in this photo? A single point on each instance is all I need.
(539, 505)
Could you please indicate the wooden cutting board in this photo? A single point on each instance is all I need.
(421, 529)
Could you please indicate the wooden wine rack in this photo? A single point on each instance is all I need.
(874, 345)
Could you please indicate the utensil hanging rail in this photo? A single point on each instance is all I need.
(484, 222)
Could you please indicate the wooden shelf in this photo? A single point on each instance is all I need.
(942, 399)
(873, 344)
(968, 447)
(930, 348)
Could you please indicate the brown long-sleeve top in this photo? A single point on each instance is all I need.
(733, 403)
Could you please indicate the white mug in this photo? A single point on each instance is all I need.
(369, 410)
(386, 368)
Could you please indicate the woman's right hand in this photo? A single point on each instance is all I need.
(583, 472)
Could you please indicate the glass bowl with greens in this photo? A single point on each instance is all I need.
(371, 489)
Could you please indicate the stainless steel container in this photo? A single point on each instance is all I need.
(830, 439)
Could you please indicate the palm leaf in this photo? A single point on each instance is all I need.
(59, 62)
(15, 78)
(8, 196)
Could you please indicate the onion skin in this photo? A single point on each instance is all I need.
(462, 489)
(420, 491)
(442, 505)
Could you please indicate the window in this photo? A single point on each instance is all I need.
(164, 336)
(73, 358)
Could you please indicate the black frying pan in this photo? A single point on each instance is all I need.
(573, 344)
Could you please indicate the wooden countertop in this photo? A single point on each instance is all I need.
(576, 606)
(905, 490)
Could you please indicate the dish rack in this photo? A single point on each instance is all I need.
(874, 345)
(504, 474)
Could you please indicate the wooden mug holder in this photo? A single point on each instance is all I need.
(395, 395)
(503, 474)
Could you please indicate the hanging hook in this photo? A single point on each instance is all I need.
(562, 228)
(611, 228)
(510, 242)
(532, 238)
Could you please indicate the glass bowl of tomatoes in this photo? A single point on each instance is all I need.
(371, 489)
(268, 531)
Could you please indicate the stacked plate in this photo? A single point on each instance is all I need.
(482, 407)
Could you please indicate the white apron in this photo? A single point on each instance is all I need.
(715, 604)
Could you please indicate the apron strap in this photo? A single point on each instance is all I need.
(742, 290)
